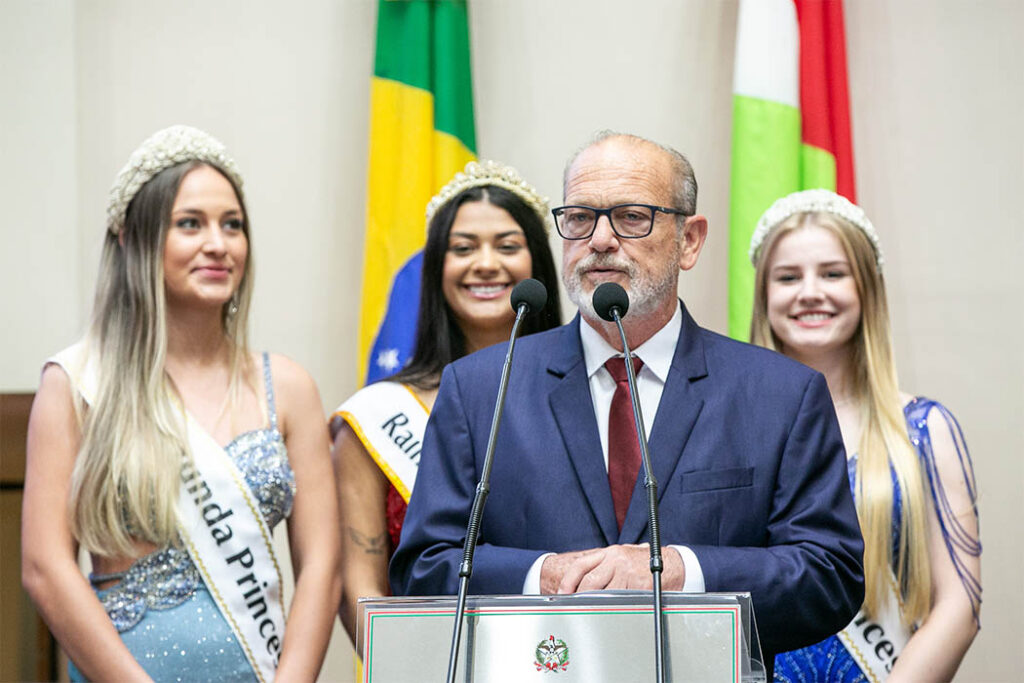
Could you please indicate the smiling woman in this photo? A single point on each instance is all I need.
(177, 451)
(486, 232)
(487, 256)
(813, 304)
(206, 249)
(820, 298)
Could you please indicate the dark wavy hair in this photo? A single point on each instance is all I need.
(439, 339)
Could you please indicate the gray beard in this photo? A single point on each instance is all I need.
(646, 292)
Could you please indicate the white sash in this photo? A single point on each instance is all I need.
(390, 421)
(224, 531)
(876, 643)
(232, 547)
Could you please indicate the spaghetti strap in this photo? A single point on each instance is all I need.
(269, 384)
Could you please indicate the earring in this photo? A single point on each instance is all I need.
(233, 305)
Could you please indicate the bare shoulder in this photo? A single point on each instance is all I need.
(53, 425)
(290, 377)
(344, 439)
(54, 399)
(947, 449)
(295, 392)
(54, 378)
(943, 428)
(946, 436)
(349, 452)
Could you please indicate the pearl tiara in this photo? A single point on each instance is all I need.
(481, 173)
(813, 201)
(165, 148)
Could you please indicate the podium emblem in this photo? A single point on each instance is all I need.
(552, 655)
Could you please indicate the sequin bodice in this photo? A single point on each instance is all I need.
(167, 577)
(260, 455)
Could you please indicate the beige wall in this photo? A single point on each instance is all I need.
(936, 96)
(40, 266)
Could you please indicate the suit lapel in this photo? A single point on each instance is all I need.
(678, 410)
(574, 412)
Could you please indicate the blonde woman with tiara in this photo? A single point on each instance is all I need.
(819, 297)
(166, 449)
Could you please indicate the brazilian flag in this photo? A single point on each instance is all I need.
(421, 133)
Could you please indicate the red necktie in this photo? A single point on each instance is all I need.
(623, 447)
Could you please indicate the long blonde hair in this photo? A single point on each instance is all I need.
(126, 478)
(884, 448)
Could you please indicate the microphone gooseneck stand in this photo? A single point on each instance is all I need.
(529, 295)
(611, 303)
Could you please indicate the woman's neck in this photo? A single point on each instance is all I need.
(836, 366)
(195, 337)
(481, 339)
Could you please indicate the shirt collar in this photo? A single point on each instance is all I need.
(656, 353)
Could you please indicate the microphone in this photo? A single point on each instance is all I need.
(611, 303)
(530, 293)
(529, 296)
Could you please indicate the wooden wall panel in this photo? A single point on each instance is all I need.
(27, 650)
(14, 410)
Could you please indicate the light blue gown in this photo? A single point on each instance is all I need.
(161, 606)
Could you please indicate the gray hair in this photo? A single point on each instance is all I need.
(684, 182)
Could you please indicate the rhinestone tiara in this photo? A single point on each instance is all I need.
(813, 201)
(165, 148)
(481, 173)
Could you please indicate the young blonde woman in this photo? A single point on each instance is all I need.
(169, 451)
(486, 232)
(820, 298)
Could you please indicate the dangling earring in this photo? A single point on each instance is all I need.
(233, 305)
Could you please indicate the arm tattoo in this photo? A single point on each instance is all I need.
(371, 545)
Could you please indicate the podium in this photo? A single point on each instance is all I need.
(586, 637)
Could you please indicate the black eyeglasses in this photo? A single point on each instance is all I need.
(629, 221)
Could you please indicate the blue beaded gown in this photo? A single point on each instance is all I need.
(161, 606)
(829, 661)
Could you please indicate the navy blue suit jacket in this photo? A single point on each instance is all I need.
(745, 447)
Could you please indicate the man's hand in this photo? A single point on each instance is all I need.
(615, 567)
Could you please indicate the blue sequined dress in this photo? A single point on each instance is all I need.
(161, 606)
(828, 661)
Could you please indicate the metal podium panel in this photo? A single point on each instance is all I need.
(606, 636)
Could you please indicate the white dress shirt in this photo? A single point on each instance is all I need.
(657, 354)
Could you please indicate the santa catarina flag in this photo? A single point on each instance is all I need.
(421, 133)
(791, 121)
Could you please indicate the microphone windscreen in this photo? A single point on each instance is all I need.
(531, 293)
(610, 296)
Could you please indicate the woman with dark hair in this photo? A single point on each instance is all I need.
(164, 447)
(487, 231)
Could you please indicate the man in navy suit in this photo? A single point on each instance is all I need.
(744, 443)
